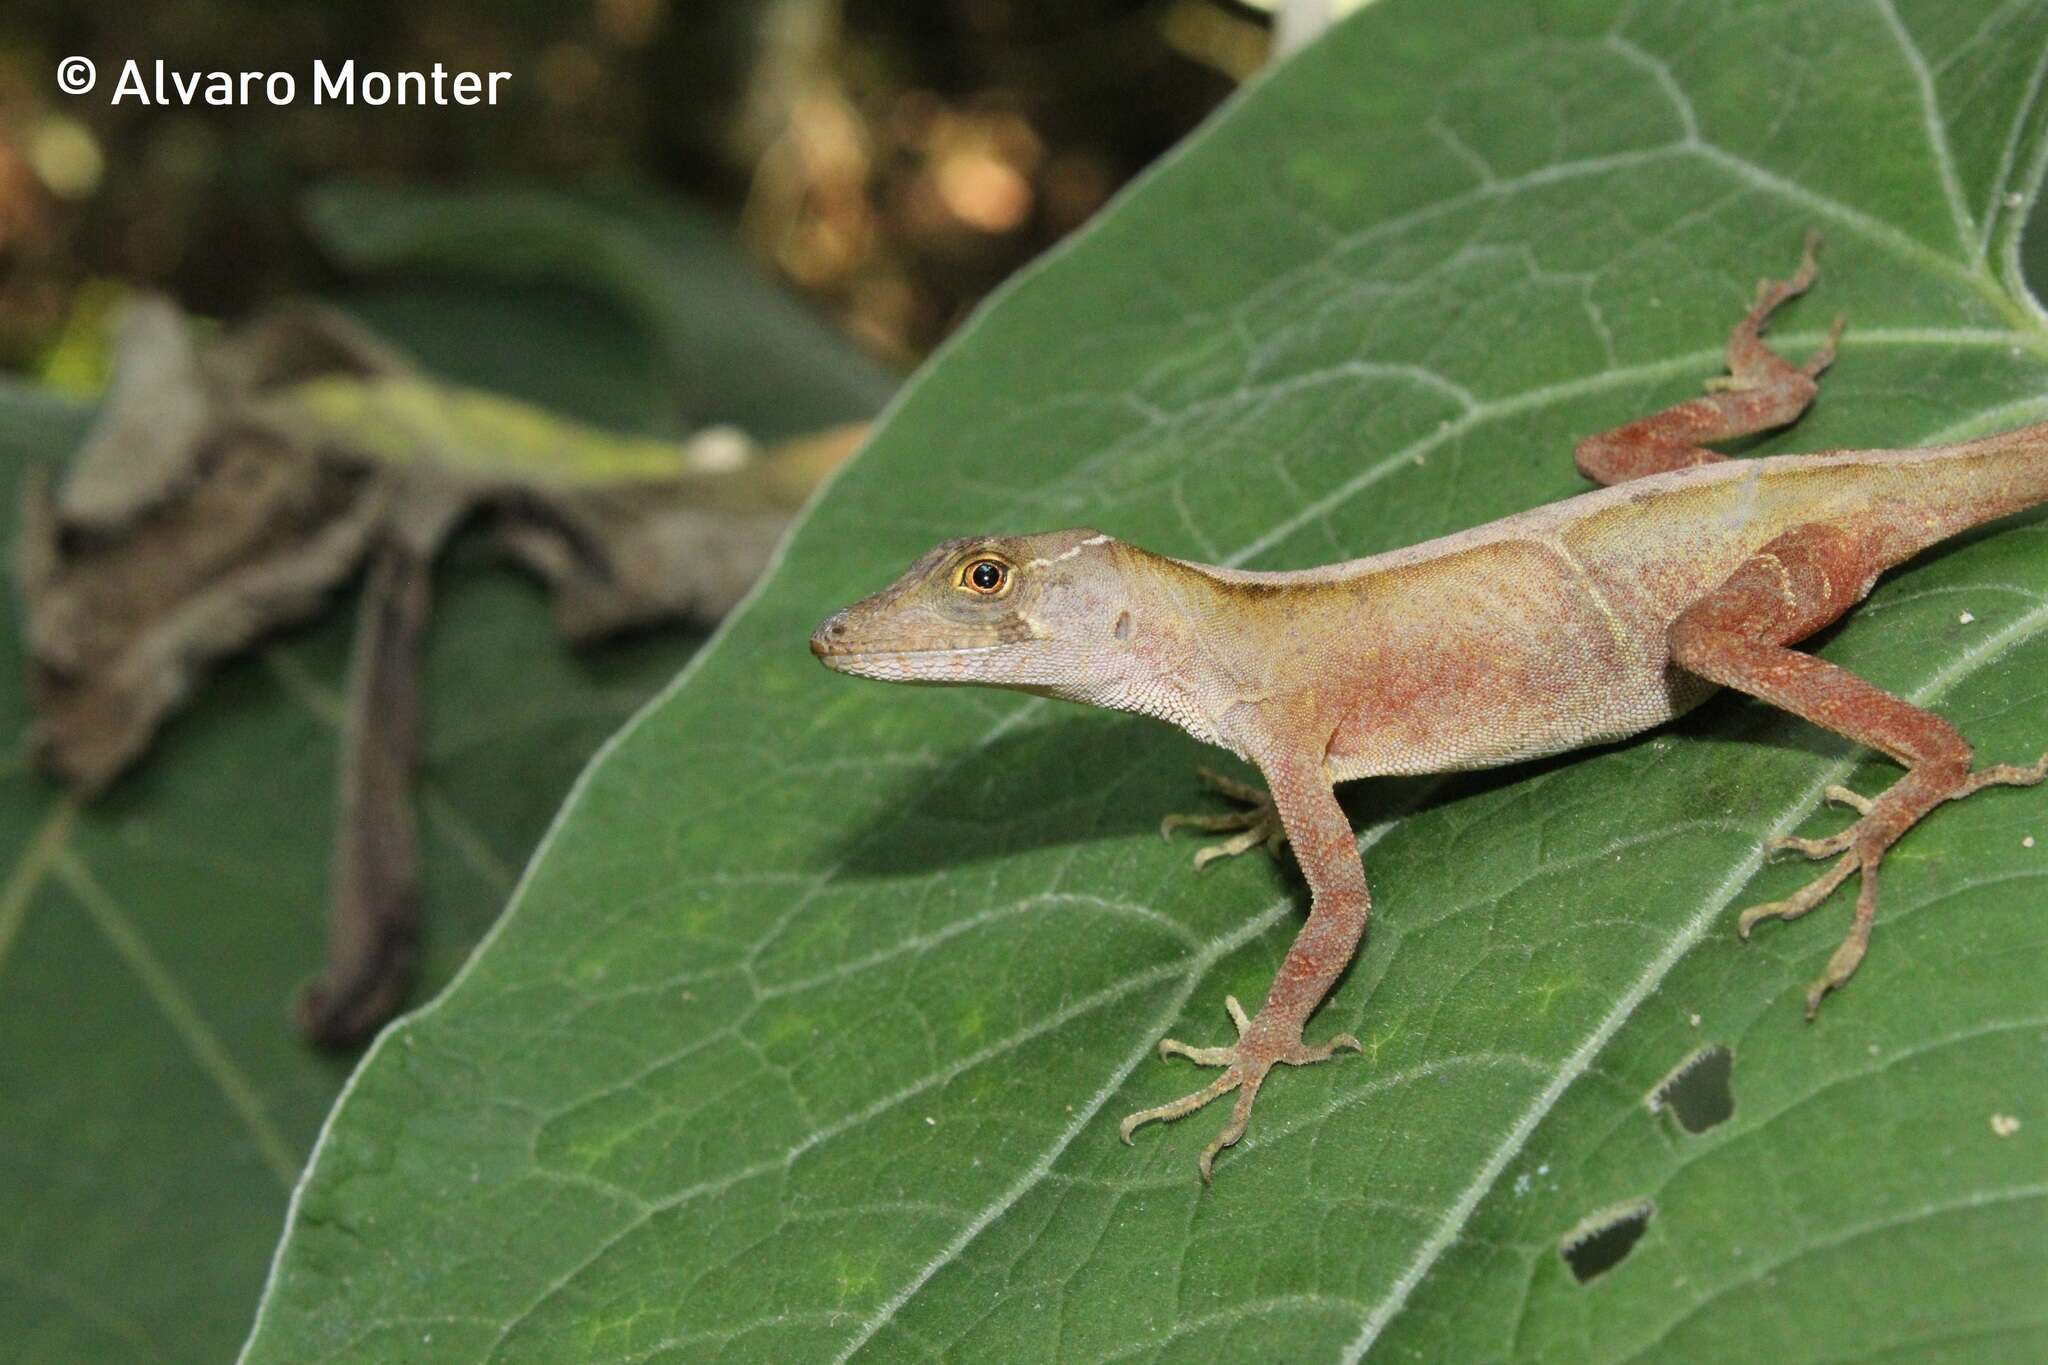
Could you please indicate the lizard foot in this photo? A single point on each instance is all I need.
(1862, 846)
(1245, 1064)
(1751, 364)
(1259, 821)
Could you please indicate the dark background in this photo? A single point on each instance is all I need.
(892, 160)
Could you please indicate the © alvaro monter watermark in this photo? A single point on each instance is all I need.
(154, 83)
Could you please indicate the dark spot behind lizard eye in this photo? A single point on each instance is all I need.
(1123, 625)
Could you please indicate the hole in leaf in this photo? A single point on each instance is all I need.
(1603, 1240)
(1698, 1091)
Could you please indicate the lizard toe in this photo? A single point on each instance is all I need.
(1245, 1064)
(1257, 823)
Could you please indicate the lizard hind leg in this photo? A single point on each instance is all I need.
(1863, 845)
(1761, 391)
(1752, 364)
(1258, 823)
(1737, 636)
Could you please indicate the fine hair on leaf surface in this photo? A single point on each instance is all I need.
(806, 1031)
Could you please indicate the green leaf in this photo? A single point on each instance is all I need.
(155, 1102)
(732, 346)
(808, 1029)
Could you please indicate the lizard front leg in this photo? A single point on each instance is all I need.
(1328, 853)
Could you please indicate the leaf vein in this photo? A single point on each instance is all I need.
(243, 1098)
(1936, 130)
(1837, 1238)
(1689, 934)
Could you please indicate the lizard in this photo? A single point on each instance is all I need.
(1575, 623)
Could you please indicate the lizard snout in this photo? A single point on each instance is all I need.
(829, 638)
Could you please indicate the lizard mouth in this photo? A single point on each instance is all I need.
(884, 660)
(840, 651)
(837, 638)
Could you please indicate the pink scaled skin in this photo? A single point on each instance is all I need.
(1567, 625)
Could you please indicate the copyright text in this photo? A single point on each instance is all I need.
(156, 83)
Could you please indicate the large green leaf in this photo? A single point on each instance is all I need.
(155, 1102)
(807, 1031)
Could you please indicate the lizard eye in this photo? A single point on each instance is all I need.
(985, 576)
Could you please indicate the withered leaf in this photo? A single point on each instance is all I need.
(227, 488)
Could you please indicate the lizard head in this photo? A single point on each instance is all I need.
(1002, 611)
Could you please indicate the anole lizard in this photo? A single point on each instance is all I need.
(1571, 624)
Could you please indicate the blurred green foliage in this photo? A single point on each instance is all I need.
(155, 1103)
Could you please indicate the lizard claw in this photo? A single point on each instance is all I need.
(1259, 822)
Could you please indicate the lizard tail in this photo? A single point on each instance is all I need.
(1946, 490)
